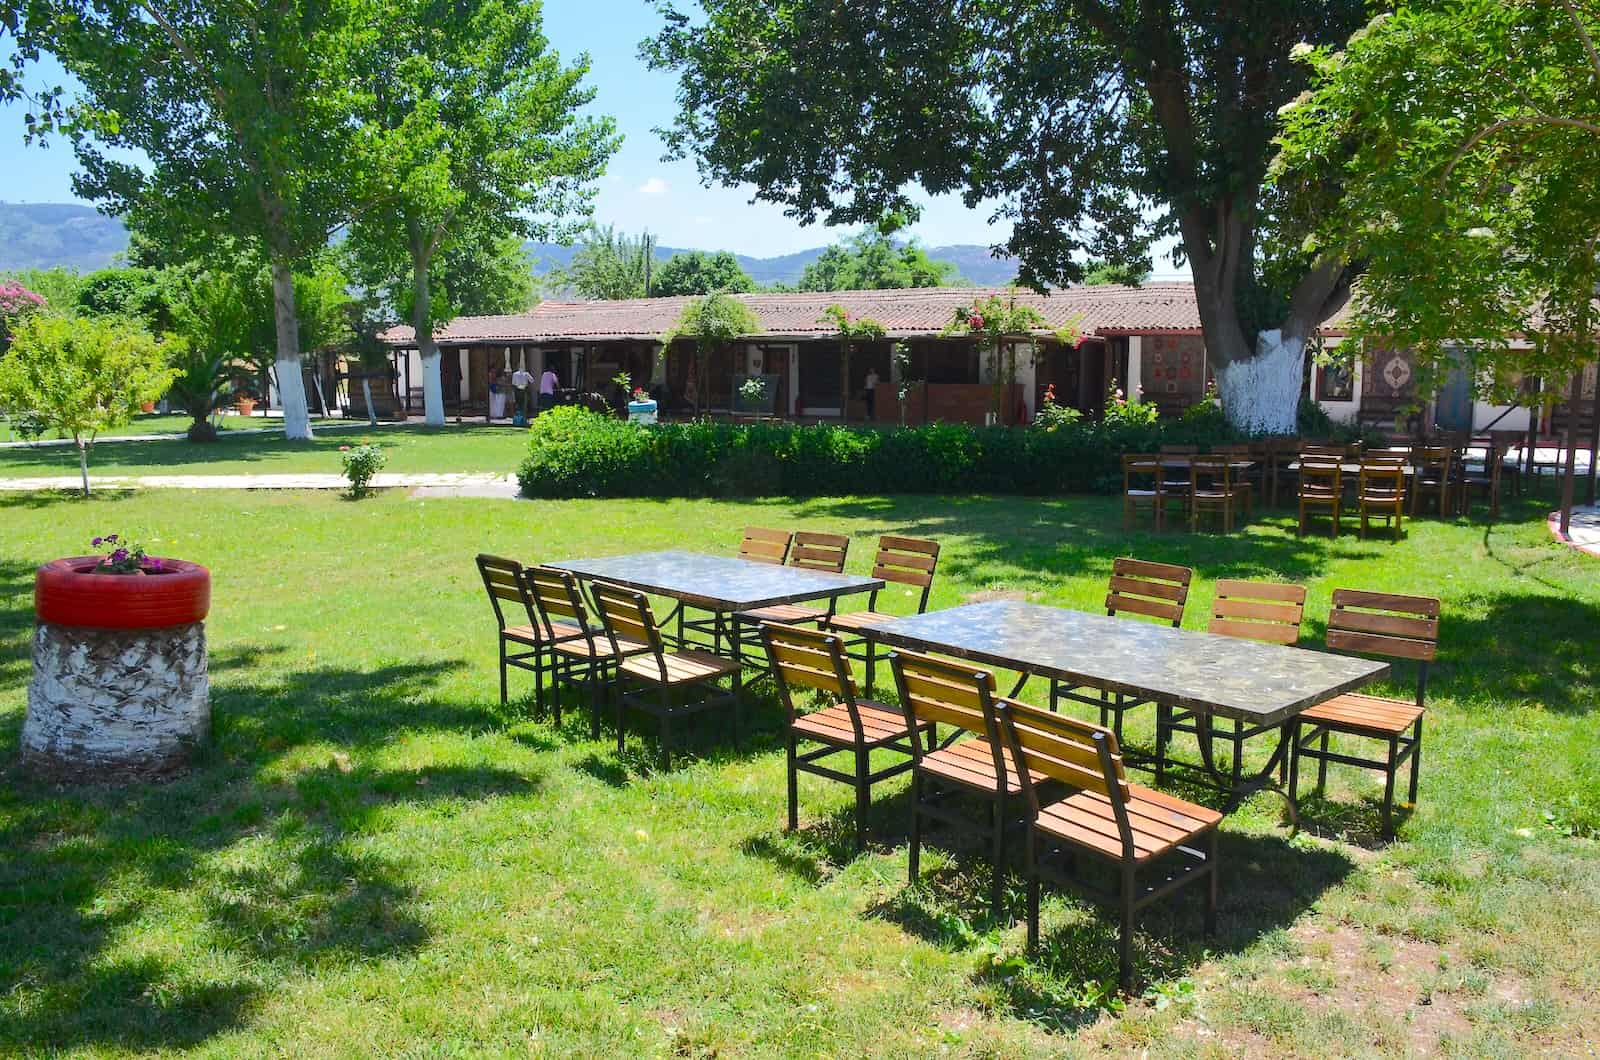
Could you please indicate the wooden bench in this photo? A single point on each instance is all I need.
(1136, 829)
(1386, 624)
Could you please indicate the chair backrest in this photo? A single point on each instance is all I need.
(502, 578)
(1266, 611)
(1211, 472)
(1388, 624)
(557, 598)
(1077, 753)
(1383, 474)
(630, 624)
(818, 551)
(1319, 449)
(1141, 471)
(761, 545)
(1155, 590)
(947, 693)
(1432, 458)
(1320, 476)
(907, 561)
(809, 658)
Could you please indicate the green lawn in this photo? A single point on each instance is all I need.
(375, 858)
(155, 423)
(410, 449)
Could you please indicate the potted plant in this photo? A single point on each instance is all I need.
(642, 407)
(246, 404)
(120, 671)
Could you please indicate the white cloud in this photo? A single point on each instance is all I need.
(653, 186)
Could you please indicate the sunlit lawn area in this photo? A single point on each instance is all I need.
(156, 423)
(375, 858)
(419, 449)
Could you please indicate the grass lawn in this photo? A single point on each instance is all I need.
(155, 423)
(410, 449)
(375, 858)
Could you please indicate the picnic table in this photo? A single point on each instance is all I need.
(721, 585)
(1263, 686)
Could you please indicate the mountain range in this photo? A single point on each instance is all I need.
(44, 235)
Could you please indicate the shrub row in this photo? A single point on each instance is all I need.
(573, 452)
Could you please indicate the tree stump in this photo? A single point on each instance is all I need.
(116, 703)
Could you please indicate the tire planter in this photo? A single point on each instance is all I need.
(121, 678)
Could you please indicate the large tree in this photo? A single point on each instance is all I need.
(471, 130)
(611, 264)
(1099, 125)
(872, 260)
(1453, 150)
(700, 272)
(210, 121)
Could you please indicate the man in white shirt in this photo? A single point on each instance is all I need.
(522, 380)
(872, 393)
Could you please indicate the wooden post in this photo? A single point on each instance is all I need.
(1594, 434)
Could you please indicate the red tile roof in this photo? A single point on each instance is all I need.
(1154, 308)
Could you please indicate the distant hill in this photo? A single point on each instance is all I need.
(973, 262)
(42, 235)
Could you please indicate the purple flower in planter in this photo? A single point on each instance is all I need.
(155, 564)
(111, 539)
(119, 555)
(97, 542)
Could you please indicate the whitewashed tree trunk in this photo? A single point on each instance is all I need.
(421, 319)
(83, 465)
(291, 387)
(1261, 395)
(104, 703)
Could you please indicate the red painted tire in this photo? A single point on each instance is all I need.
(67, 593)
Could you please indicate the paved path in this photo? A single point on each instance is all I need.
(450, 484)
(1585, 532)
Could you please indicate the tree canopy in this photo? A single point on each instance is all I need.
(700, 272)
(712, 321)
(1099, 125)
(611, 264)
(873, 260)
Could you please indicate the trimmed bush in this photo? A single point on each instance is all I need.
(573, 452)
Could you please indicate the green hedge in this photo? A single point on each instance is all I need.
(576, 453)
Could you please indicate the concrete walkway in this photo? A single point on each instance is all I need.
(448, 484)
(1585, 528)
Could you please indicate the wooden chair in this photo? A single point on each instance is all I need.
(1506, 468)
(905, 561)
(809, 659)
(811, 551)
(661, 676)
(934, 692)
(1213, 490)
(582, 652)
(761, 545)
(1248, 480)
(1321, 486)
(1141, 488)
(1147, 835)
(1432, 477)
(1278, 454)
(1385, 624)
(524, 643)
(1270, 612)
(1381, 492)
(1137, 587)
(1175, 479)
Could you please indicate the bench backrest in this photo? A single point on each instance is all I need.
(1155, 590)
(1264, 611)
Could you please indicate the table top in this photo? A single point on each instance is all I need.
(1353, 467)
(1183, 462)
(1259, 683)
(718, 583)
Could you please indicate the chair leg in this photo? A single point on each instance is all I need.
(738, 710)
(863, 793)
(794, 782)
(1388, 788)
(872, 662)
(1033, 891)
(665, 700)
(995, 886)
(555, 690)
(1322, 764)
(914, 851)
(1416, 755)
(1211, 884)
(502, 673)
(1125, 941)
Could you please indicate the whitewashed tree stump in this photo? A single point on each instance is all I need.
(107, 703)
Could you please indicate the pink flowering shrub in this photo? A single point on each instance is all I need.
(16, 303)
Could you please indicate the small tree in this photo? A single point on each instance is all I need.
(712, 321)
(81, 376)
(999, 323)
(697, 272)
(17, 304)
(851, 330)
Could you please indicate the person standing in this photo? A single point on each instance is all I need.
(522, 384)
(547, 388)
(871, 388)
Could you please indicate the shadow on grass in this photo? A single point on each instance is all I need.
(271, 859)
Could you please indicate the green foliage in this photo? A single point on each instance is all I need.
(610, 264)
(58, 287)
(1053, 416)
(872, 260)
(712, 321)
(136, 293)
(575, 453)
(999, 323)
(851, 330)
(1103, 273)
(697, 272)
(1453, 149)
(361, 463)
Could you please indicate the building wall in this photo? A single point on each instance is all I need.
(1172, 370)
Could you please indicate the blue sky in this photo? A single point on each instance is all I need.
(639, 191)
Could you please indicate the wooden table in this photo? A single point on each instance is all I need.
(721, 585)
(1264, 686)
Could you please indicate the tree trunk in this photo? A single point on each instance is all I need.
(83, 465)
(1569, 480)
(1261, 394)
(1594, 435)
(291, 387)
(422, 322)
